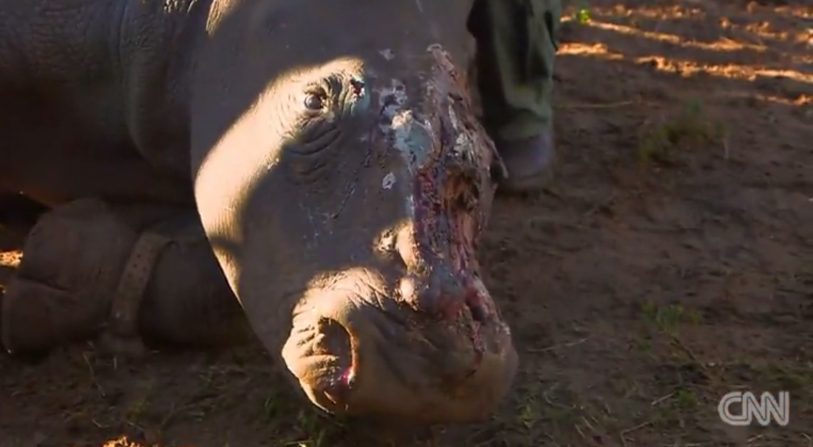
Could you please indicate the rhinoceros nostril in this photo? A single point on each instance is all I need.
(334, 341)
(497, 171)
(334, 338)
(444, 294)
(478, 308)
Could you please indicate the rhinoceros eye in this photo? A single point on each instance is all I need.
(315, 101)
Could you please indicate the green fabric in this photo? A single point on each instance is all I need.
(516, 47)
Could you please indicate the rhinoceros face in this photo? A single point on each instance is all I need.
(344, 200)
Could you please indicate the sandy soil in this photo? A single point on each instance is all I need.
(671, 262)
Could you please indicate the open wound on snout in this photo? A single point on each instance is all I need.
(448, 222)
(447, 158)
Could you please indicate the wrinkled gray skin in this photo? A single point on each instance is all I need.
(334, 162)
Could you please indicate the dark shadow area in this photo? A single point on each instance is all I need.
(16, 209)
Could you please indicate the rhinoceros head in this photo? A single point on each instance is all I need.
(344, 182)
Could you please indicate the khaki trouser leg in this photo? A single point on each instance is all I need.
(516, 47)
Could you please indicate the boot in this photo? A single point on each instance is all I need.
(528, 163)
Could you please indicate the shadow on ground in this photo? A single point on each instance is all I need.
(669, 264)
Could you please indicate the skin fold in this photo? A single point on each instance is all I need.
(338, 171)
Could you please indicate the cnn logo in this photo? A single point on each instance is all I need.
(764, 409)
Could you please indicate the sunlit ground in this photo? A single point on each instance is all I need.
(755, 37)
(686, 67)
(10, 259)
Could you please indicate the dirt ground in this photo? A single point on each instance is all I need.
(670, 263)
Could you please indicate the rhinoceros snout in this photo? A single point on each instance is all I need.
(445, 292)
(454, 364)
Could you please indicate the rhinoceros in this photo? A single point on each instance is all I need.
(311, 173)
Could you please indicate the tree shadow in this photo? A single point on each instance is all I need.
(673, 53)
(761, 50)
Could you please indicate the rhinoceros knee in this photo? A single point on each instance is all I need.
(188, 300)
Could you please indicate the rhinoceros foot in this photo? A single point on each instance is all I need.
(125, 275)
(72, 260)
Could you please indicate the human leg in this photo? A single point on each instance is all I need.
(516, 47)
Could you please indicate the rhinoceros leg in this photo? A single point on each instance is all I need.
(121, 273)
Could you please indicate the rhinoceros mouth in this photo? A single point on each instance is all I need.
(359, 359)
